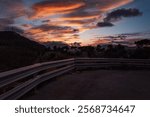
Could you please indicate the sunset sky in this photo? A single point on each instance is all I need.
(85, 21)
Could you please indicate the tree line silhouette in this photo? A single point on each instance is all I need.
(17, 51)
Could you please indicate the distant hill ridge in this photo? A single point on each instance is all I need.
(10, 38)
(18, 51)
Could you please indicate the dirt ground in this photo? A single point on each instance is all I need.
(95, 85)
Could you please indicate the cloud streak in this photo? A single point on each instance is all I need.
(60, 19)
(12, 9)
(46, 8)
(120, 13)
(105, 24)
(117, 15)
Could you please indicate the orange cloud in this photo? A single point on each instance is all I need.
(26, 25)
(47, 32)
(112, 4)
(100, 41)
(79, 17)
(68, 15)
(46, 8)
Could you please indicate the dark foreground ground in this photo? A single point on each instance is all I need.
(98, 84)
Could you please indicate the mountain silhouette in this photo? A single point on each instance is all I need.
(17, 51)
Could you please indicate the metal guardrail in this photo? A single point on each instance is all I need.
(17, 74)
(51, 70)
(82, 63)
(32, 77)
(23, 88)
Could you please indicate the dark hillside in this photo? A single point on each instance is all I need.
(17, 51)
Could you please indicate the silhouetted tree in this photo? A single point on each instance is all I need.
(115, 51)
(144, 42)
(98, 48)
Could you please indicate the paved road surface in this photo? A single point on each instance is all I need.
(98, 84)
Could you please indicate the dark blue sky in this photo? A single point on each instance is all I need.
(74, 20)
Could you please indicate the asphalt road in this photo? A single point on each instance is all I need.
(98, 84)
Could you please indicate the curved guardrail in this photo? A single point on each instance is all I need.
(83, 63)
(17, 74)
(23, 88)
(51, 69)
(22, 80)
